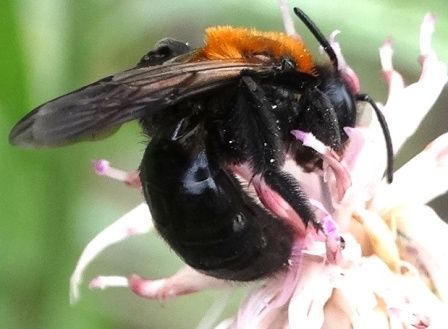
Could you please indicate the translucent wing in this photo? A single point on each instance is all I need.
(91, 111)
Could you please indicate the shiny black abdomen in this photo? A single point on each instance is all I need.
(206, 217)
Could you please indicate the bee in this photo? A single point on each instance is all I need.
(230, 104)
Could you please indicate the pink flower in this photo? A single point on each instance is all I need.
(392, 270)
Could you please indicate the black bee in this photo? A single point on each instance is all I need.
(231, 103)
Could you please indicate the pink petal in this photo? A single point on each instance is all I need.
(363, 157)
(103, 168)
(270, 199)
(186, 281)
(340, 179)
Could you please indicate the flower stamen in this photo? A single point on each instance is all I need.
(103, 168)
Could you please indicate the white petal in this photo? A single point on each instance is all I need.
(287, 19)
(226, 324)
(417, 99)
(103, 282)
(215, 311)
(257, 308)
(348, 75)
(306, 308)
(380, 237)
(137, 221)
(420, 180)
(421, 303)
(428, 234)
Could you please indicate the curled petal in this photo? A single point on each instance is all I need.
(426, 30)
(137, 221)
(358, 157)
(270, 198)
(417, 98)
(334, 243)
(347, 73)
(340, 180)
(275, 203)
(394, 79)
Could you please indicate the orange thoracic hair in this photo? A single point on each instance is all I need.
(225, 42)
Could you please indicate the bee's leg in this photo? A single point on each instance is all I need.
(249, 132)
(257, 127)
(318, 116)
(282, 194)
(266, 153)
(287, 187)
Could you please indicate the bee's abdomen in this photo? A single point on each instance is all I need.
(206, 217)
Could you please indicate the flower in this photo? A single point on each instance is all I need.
(390, 269)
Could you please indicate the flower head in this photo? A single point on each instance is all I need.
(379, 260)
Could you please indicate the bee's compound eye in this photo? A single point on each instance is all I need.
(164, 50)
(288, 65)
(171, 47)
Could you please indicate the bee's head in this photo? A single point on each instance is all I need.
(340, 95)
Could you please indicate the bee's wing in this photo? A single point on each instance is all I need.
(91, 111)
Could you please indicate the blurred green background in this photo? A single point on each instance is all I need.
(52, 204)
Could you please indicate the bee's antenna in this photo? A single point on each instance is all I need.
(386, 133)
(362, 97)
(318, 35)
